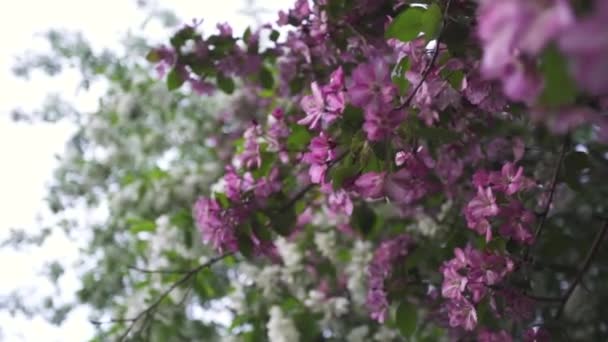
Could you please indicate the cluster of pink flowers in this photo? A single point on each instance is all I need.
(326, 103)
(511, 32)
(371, 89)
(388, 254)
(467, 279)
(516, 221)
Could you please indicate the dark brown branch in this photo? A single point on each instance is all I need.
(151, 309)
(552, 187)
(431, 63)
(599, 238)
(543, 298)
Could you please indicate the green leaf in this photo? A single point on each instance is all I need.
(274, 35)
(183, 35)
(174, 80)
(559, 89)
(284, 221)
(225, 83)
(352, 120)
(407, 25)
(266, 78)
(153, 56)
(398, 76)
(342, 172)
(363, 219)
(437, 134)
(454, 77)
(298, 139)
(406, 318)
(142, 226)
(431, 22)
(222, 199)
(268, 161)
(296, 85)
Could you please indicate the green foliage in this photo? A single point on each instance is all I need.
(413, 21)
(407, 25)
(406, 318)
(559, 88)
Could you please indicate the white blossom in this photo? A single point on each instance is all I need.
(326, 244)
(358, 334)
(385, 334)
(289, 252)
(280, 327)
(356, 271)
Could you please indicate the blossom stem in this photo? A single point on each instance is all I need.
(599, 238)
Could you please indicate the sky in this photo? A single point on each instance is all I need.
(28, 151)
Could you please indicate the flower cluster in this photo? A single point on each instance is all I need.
(467, 279)
(517, 222)
(388, 254)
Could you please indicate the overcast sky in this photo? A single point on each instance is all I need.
(27, 151)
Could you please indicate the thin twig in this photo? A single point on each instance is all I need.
(553, 186)
(599, 238)
(158, 271)
(150, 310)
(310, 186)
(429, 66)
(543, 298)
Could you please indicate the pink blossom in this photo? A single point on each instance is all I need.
(586, 43)
(217, 226)
(370, 184)
(453, 283)
(339, 202)
(518, 223)
(511, 28)
(380, 270)
(325, 104)
(382, 122)
(320, 154)
(250, 157)
(510, 180)
(371, 87)
(484, 204)
(462, 314)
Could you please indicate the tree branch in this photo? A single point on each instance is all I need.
(429, 66)
(553, 186)
(158, 271)
(310, 186)
(599, 238)
(150, 310)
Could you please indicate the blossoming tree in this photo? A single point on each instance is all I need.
(424, 171)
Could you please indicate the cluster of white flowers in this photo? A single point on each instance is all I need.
(326, 244)
(268, 280)
(425, 225)
(280, 327)
(331, 307)
(290, 253)
(358, 334)
(356, 270)
(385, 334)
